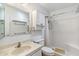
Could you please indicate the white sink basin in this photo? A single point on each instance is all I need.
(17, 51)
(25, 49)
(14, 51)
(4, 52)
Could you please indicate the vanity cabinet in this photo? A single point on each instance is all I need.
(38, 53)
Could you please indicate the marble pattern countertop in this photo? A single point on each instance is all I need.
(27, 49)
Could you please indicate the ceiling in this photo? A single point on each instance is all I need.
(54, 6)
(48, 7)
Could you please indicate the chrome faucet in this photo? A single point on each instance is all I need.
(19, 45)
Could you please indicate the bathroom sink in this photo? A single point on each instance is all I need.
(14, 51)
(4, 52)
(20, 50)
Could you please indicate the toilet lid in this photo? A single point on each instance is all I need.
(47, 50)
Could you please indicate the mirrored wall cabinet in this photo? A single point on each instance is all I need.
(16, 21)
(2, 21)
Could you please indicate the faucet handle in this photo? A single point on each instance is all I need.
(19, 45)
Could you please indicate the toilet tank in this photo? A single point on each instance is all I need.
(38, 39)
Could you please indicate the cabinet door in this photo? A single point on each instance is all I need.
(38, 53)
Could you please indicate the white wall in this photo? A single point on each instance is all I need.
(65, 32)
(69, 10)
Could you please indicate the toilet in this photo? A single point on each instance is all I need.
(46, 51)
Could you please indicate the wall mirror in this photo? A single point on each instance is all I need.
(40, 23)
(2, 21)
(17, 21)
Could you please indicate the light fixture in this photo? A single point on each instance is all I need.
(24, 4)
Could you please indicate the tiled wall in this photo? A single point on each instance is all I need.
(65, 32)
